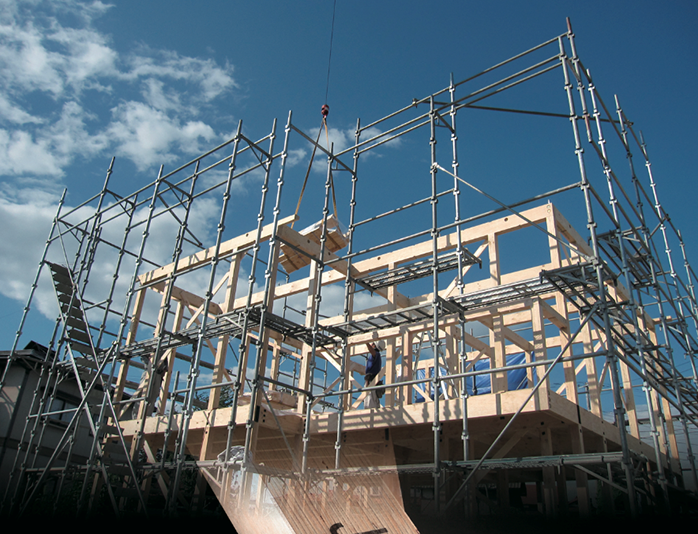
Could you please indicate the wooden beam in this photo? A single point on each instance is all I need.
(291, 237)
(204, 256)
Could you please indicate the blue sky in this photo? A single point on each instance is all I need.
(158, 82)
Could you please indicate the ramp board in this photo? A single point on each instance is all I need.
(261, 500)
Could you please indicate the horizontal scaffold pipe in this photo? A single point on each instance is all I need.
(565, 116)
(460, 102)
(334, 157)
(401, 208)
(462, 82)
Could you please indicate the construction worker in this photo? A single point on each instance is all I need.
(373, 367)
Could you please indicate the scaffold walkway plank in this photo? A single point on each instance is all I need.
(417, 269)
(232, 324)
(403, 316)
(504, 293)
(453, 305)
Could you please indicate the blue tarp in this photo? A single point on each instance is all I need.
(418, 397)
(482, 384)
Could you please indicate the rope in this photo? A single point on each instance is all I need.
(334, 198)
(307, 173)
(325, 112)
(329, 61)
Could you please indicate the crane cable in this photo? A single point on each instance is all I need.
(325, 111)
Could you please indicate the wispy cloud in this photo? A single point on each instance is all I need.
(67, 94)
(64, 65)
(146, 135)
(341, 139)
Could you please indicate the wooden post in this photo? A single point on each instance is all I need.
(390, 349)
(581, 478)
(497, 341)
(170, 357)
(539, 340)
(549, 493)
(305, 380)
(594, 388)
(221, 349)
(407, 366)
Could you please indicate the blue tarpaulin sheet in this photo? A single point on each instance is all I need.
(482, 384)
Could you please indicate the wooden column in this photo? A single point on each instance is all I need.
(549, 491)
(568, 367)
(581, 478)
(629, 395)
(275, 364)
(390, 350)
(305, 380)
(540, 348)
(170, 357)
(130, 338)
(497, 341)
(407, 367)
(263, 350)
(493, 251)
(594, 388)
(222, 348)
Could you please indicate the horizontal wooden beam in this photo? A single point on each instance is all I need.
(204, 256)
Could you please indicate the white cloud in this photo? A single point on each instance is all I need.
(25, 228)
(296, 156)
(68, 135)
(15, 114)
(20, 153)
(26, 222)
(67, 93)
(146, 135)
(26, 64)
(49, 150)
(87, 55)
(340, 140)
(42, 55)
(212, 79)
(159, 97)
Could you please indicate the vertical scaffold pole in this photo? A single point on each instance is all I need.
(130, 211)
(317, 299)
(348, 301)
(192, 376)
(692, 300)
(93, 237)
(266, 308)
(238, 387)
(663, 217)
(637, 308)
(611, 356)
(435, 341)
(145, 405)
(465, 434)
(39, 398)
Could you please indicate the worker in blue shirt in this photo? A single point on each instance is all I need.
(373, 367)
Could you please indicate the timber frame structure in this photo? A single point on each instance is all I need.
(604, 326)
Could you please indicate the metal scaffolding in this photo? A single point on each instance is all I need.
(282, 412)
